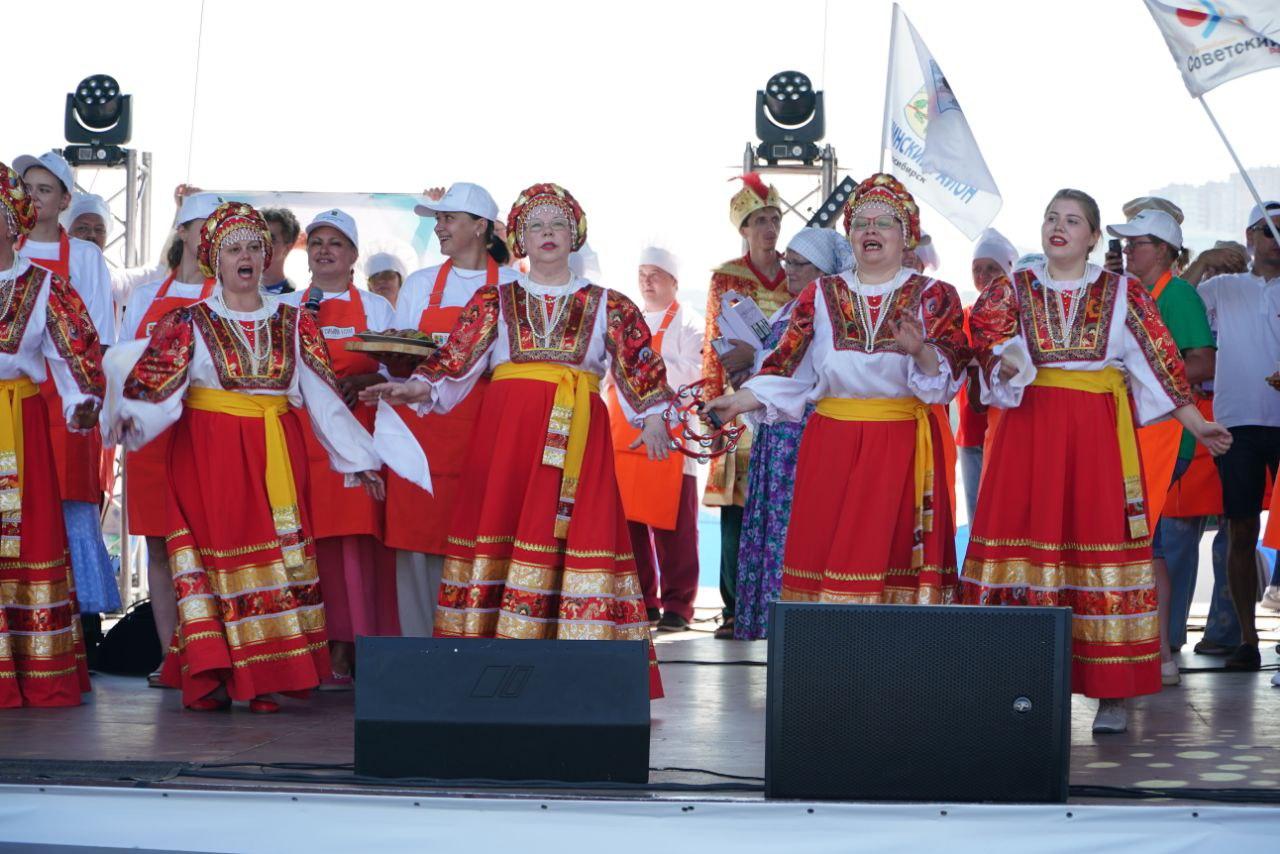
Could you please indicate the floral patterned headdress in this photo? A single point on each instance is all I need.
(888, 191)
(231, 222)
(15, 204)
(544, 194)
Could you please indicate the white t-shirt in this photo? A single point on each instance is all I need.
(140, 302)
(90, 278)
(1244, 312)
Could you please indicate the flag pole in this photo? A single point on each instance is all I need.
(888, 79)
(1248, 182)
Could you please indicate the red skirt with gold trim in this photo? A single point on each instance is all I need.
(42, 660)
(853, 517)
(505, 573)
(249, 612)
(1050, 529)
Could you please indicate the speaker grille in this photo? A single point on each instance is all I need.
(918, 703)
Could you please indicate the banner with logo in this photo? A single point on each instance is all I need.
(385, 222)
(927, 138)
(1214, 41)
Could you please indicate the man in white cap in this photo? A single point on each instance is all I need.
(431, 301)
(1152, 244)
(385, 272)
(660, 497)
(1244, 311)
(88, 217)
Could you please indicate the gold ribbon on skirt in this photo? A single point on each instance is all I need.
(12, 393)
(567, 428)
(282, 492)
(898, 409)
(1110, 381)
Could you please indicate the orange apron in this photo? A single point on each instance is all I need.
(78, 457)
(418, 521)
(146, 469)
(650, 489)
(1158, 446)
(1271, 536)
(336, 509)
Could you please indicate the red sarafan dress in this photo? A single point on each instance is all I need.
(42, 320)
(240, 545)
(871, 518)
(533, 551)
(1061, 517)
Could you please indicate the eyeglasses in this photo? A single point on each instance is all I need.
(884, 222)
(1261, 228)
(787, 262)
(1130, 245)
(558, 225)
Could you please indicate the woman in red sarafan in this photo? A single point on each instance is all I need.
(226, 371)
(538, 545)
(42, 320)
(1076, 356)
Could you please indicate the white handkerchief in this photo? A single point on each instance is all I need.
(399, 448)
(117, 364)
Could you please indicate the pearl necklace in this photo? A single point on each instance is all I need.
(1066, 317)
(549, 322)
(864, 311)
(260, 350)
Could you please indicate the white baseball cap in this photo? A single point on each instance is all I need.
(341, 220)
(382, 262)
(198, 206)
(462, 198)
(51, 160)
(663, 259)
(1255, 215)
(87, 203)
(1150, 223)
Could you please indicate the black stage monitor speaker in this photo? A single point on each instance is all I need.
(575, 711)
(918, 703)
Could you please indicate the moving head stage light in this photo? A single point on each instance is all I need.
(790, 119)
(98, 121)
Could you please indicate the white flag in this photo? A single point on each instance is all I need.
(928, 140)
(1214, 41)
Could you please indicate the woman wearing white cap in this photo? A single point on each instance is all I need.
(357, 572)
(385, 273)
(431, 301)
(146, 469)
(811, 254)
(1063, 515)
(660, 497)
(234, 373)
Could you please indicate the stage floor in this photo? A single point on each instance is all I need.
(1216, 730)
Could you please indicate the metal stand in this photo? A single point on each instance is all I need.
(824, 167)
(130, 204)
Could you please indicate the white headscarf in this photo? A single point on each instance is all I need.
(994, 245)
(827, 250)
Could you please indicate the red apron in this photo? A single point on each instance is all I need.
(77, 456)
(147, 469)
(650, 489)
(418, 521)
(338, 510)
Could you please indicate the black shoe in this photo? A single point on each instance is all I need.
(1208, 647)
(672, 623)
(725, 630)
(653, 614)
(1245, 657)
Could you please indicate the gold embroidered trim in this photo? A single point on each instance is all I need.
(1054, 547)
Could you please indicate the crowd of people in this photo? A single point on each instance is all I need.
(1107, 415)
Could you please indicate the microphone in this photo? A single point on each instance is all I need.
(314, 297)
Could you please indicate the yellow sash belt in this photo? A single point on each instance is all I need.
(282, 493)
(1110, 381)
(898, 409)
(12, 393)
(567, 428)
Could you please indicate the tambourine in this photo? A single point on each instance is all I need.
(685, 409)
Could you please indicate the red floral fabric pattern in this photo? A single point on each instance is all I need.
(231, 360)
(314, 349)
(993, 320)
(67, 321)
(935, 300)
(162, 370)
(470, 340)
(795, 340)
(571, 337)
(26, 292)
(638, 370)
(1143, 321)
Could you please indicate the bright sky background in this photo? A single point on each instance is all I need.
(642, 110)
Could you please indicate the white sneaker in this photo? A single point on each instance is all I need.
(1275, 679)
(1271, 598)
(1112, 717)
(1169, 674)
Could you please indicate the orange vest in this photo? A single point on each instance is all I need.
(146, 469)
(650, 489)
(418, 521)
